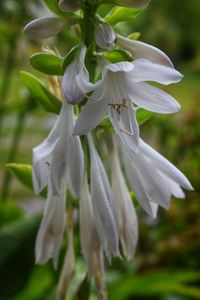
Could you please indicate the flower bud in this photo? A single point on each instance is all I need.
(69, 5)
(133, 3)
(104, 36)
(44, 28)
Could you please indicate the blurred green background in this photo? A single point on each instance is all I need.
(166, 266)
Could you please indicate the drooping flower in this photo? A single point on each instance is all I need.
(102, 199)
(142, 50)
(90, 243)
(57, 164)
(122, 84)
(153, 178)
(71, 90)
(125, 210)
(104, 36)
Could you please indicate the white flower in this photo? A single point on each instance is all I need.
(104, 36)
(57, 162)
(121, 85)
(51, 229)
(69, 5)
(60, 151)
(90, 244)
(125, 211)
(104, 214)
(153, 178)
(44, 28)
(141, 50)
(133, 3)
(71, 90)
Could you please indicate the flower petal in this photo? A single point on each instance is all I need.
(145, 70)
(165, 166)
(90, 116)
(103, 213)
(142, 50)
(123, 66)
(152, 98)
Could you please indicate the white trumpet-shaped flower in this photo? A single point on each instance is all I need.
(57, 163)
(142, 50)
(153, 178)
(50, 234)
(102, 199)
(60, 151)
(122, 85)
(90, 244)
(125, 210)
(71, 90)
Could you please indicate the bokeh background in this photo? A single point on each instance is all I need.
(167, 261)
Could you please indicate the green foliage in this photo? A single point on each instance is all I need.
(23, 173)
(121, 14)
(143, 115)
(155, 284)
(47, 63)
(9, 212)
(17, 239)
(40, 93)
(117, 55)
(53, 6)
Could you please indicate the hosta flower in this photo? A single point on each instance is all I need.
(122, 85)
(102, 199)
(90, 244)
(50, 234)
(153, 178)
(71, 90)
(57, 163)
(141, 50)
(104, 36)
(125, 211)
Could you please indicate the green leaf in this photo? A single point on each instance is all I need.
(17, 254)
(115, 56)
(53, 6)
(40, 93)
(9, 212)
(143, 115)
(134, 36)
(70, 57)
(157, 283)
(23, 173)
(121, 14)
(47, 63)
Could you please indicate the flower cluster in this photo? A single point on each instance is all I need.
(108, 221)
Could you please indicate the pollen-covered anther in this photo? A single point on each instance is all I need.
(119, 106)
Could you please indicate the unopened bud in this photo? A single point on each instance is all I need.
(44, 28)
(133, 3)
(69, 5)
(104, 36)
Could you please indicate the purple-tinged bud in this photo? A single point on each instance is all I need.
(69, 5)
(104, 36)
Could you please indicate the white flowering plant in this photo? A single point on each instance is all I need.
(94, 163)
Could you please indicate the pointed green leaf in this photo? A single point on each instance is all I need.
(47, 63)
(134, 36)
(120, 14)
(143, 115)
(40, 93)
(23, 172)
(115, 56)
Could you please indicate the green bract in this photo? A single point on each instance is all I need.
(47, 63)
(121, 14)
